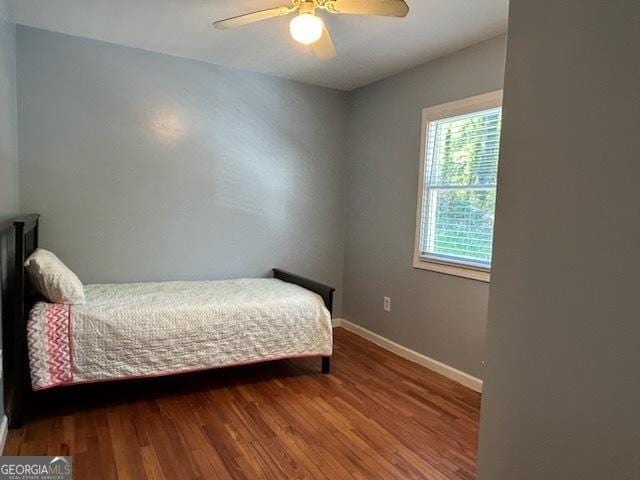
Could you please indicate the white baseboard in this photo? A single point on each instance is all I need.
(413, 356)
(4, 429)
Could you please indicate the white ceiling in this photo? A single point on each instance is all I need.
(369, 48)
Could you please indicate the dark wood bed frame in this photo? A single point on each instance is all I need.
(18, 239)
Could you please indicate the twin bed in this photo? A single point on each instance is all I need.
(138, 330)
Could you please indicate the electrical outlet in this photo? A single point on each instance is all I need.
(387, 304)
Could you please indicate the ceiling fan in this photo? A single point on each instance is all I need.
(309, 29)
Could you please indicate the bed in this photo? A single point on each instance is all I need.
(137, 330)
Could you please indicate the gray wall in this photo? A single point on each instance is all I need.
(438, 315)
(563, 388)
(8, 129)
(151, 167)
(8, 116)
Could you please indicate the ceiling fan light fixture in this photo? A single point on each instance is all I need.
(306, 28)
(309, 29)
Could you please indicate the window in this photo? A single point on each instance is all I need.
(457, 191)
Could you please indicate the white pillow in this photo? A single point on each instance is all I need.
(53, 279)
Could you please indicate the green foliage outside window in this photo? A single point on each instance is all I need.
(462, 186)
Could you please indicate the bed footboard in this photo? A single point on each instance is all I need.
(325, 291)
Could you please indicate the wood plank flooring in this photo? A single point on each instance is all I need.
(376, 416)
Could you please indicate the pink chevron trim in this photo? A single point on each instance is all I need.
(57, 334)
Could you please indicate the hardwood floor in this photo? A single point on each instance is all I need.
(377, 416)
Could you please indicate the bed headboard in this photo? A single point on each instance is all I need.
(18, 239)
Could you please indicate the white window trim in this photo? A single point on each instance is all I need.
(477, 103)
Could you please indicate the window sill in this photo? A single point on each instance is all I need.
(451, 269)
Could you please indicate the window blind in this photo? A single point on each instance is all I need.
(460, 177)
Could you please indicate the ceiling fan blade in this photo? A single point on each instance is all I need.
(241, 20)
(386, 8)
(324, 48)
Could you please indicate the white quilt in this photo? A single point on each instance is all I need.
(148, 329)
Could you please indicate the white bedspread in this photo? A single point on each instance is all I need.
(147, 329)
